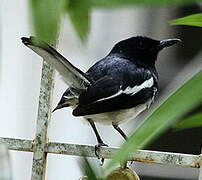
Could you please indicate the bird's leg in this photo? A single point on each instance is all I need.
(99, 140)
(123, 135)
(120, 131)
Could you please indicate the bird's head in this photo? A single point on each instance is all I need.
(141, 49)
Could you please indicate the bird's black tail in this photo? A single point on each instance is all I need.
(72, 76)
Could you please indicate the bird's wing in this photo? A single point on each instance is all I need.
(108, 95)
(72, 76)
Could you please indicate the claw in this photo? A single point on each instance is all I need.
(97, 152)
(97, 148)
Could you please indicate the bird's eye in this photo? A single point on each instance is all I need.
(142, 45)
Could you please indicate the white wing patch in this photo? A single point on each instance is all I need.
(131, 90)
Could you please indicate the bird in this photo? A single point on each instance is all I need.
(116, 88)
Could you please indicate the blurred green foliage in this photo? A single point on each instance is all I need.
(120, 3)
(88, 170)
(191, 20)
(192, 121)
(79, 13)
(47, 14)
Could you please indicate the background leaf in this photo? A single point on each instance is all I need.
(46, 15)
(190, 122)
(172, 109)
(88, 170)
(79, 13)
(114, 3)
(192, 20)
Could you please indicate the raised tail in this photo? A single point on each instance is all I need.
(73, 76)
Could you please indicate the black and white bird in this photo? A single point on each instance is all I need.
(115, 89)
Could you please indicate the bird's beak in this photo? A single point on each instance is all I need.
(168, 42)
(59, 106)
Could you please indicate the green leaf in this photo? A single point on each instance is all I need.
(114, 3)
(79, 13)
(46, 15)
(192, 20)
(88, 169)
(190, 122)
(172, 109)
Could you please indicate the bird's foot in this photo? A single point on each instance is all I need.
(97, 148)
(97, 151)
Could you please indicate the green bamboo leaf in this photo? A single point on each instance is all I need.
(79, 13)
(114, 3)
(46, 15)
(191, 20)
(88, 170)
(190, 122)
(172, 109)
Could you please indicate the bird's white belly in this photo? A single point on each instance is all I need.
(119, 116)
